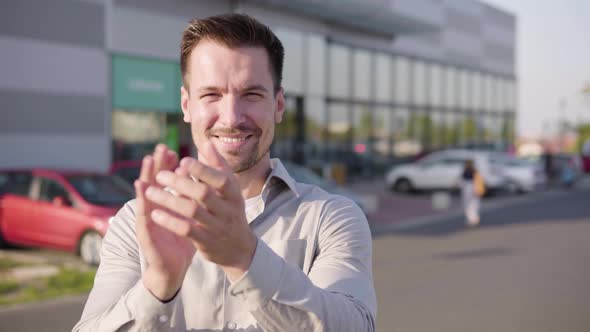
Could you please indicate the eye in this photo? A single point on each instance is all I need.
(253, 96)
(209, 96)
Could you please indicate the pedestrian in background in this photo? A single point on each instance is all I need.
(472, 189)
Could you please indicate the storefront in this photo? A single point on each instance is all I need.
(146, 108)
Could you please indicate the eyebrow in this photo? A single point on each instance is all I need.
(211, 88)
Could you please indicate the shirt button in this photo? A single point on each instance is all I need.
(163, 318)
(231, 325)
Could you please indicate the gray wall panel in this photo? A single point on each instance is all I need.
(80, 152)
(27, 112)
(64, 21)
(33, 65)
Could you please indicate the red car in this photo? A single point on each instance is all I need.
(68, 211)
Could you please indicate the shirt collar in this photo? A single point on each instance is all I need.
(280, 172)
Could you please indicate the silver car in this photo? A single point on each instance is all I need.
(442, 170)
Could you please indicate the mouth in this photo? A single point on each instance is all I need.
(232, 142)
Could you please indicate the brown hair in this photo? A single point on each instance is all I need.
(233, 30)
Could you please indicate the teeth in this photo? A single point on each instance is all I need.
(231, 140)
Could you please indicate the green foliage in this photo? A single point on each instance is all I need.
(7, 263)
(66, 282)
(7, 286)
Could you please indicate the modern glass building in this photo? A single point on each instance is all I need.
(367, 82)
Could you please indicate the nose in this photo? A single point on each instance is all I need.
(231, 113)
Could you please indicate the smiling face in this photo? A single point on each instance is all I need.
(229, 100)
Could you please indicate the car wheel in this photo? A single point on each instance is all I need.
(403, 185)
(513, 188)
(89, 247)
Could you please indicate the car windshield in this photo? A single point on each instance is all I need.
(106, 190)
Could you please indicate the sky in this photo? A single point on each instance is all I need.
(553, 62)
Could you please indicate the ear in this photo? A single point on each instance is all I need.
(184, 99)
(280, 104)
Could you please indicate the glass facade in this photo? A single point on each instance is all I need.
(374, 106)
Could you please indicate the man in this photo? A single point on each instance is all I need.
(231, 241)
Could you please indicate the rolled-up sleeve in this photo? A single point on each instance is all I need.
(338, 292)
(119, 301)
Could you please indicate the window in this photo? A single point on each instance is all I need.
(51, 189)
(293, 75)
(362, 75)
(339, 71)
(450, 87)
(316, 66)
(102, 190)
(284, 142)
(315, 127)
(382, 130)
(384, 88)
(339, 128)
(16, 183)
(402, 80)
(362, 122)
(435, 86)
(419, 86)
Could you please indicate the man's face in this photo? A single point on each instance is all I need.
(231, 102)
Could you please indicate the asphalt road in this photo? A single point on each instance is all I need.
(526, 268)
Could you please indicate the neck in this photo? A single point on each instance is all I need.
(252, 180)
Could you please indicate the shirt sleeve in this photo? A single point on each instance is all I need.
(338, 292)
(119, 301)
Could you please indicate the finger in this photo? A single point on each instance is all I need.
(140, 205)
(147, 166)
(203, 194)
(223, 182)
(159, 155)
(178, 225)
(180, 205)
(170, 160)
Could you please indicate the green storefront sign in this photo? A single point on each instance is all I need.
(145, 84)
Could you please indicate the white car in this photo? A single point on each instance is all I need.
(522, 175)
(442, 170)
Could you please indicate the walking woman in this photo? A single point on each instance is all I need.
(472, 189)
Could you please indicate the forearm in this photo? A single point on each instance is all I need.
(136, 310)
(281, 297)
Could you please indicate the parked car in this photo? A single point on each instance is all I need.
(441, 170)
(522, 175)
(61, 210)
(305, 175)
